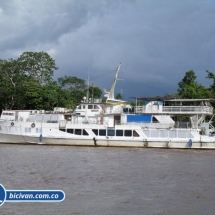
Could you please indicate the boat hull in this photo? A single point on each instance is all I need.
(51, 134)
(174, 143)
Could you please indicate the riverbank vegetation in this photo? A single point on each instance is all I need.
(27, 83)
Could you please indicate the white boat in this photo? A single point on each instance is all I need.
(154, 123)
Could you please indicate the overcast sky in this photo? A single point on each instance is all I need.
(156, 41)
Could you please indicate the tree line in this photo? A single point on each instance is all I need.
(27, 83)
(188, 88)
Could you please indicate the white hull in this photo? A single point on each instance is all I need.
(122, 135)
(174, 143)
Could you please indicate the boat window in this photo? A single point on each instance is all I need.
(128, 133)
(95, 131)
(119, 133)
(154, 133)
(96, 107)
(135, 134)
(37, 130)
(28, 130)
(111, 132)
(154, 119)
(69, 130)
(62, 129)
(9, 114)
(102, 132)
(83, 107)
(85, 132)
(90, 106)
(40, 118)
(79, 107)
(78, 131)
(128, 110)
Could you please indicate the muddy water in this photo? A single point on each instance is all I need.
(110, 181)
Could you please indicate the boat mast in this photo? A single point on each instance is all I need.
(111, 93)
(88, 84)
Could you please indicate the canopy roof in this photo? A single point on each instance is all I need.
(172, 99)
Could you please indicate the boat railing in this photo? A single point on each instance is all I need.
(175, 109)
(180, 124)
(156, 124)
(146, 124)
(211, 127)
(164, 133)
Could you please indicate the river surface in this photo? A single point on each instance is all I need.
(110, 181)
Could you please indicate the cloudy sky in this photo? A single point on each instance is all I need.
(156, 41)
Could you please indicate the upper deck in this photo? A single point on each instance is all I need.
(176, 107)
(175, 110)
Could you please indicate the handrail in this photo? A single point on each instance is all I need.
(171, 109)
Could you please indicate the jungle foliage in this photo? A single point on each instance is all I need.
(27, 83)
(190, 89)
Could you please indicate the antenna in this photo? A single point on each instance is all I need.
(92, 92)
(88, 84)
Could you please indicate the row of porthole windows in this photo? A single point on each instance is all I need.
(8, 114)
(28, 130)
(103, 132)
(118, 133)
(75, 131)
(88, 107)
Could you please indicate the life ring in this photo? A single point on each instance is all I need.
(12, 124)
(32, 125)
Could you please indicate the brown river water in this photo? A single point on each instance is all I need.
(110, 181)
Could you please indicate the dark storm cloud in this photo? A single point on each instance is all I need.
(42, 21)
(156, 41)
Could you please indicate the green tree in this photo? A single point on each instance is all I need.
(10, 78)
(119, 96)
(54, 96)
(95, 92)
(38, 65)
(212, 86)
(190, 89)
(185, 85)
(31, 95)
(21, 80)
(76, 87)
(203, 92)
